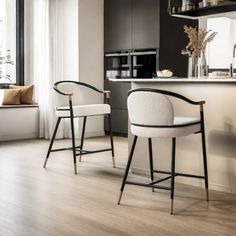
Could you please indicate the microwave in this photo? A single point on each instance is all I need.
(131, 64)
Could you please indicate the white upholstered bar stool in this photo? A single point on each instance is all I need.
(151, 115)
(73, 100)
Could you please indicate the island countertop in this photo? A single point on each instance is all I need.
(178, 79)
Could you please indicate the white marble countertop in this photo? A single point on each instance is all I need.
(179, 79)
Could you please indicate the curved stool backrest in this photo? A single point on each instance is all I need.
(83, 94)
(150, 108)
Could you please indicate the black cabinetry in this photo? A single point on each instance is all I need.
(118, 101)
(145, 24)
(131, 24)
(117, 25)
(141, 24)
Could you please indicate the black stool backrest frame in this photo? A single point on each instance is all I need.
(75, 82)
(168, 93)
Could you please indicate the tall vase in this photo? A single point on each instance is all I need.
(203, 68)
(193, 66)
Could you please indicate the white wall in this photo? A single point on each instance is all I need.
(91, 54)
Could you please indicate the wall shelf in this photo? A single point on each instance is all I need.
(205, 11)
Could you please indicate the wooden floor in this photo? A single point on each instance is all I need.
(38, 202)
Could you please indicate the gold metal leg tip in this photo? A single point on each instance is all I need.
(172, 207)
(80, 158)
(118, 203)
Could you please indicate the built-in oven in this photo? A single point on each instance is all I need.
(117, 64)
(131, 64)
(144, 64)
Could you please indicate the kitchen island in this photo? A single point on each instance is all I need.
(220, 120)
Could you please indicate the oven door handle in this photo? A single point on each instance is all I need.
(142, 53)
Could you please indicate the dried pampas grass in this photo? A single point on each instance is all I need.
(198, 39)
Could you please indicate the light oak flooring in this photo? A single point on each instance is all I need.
(39, 202)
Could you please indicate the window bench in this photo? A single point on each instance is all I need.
(19, 122)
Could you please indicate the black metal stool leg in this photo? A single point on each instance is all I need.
(172, 175)
(73, 137)
(52, 141)
(82, 138)
(205, 160)
(151, 160)
(111, 139)
(127, 169)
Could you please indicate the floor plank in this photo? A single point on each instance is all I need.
(39, 202)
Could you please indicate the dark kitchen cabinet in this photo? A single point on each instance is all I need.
(119, 122)
(117, 25)
(119, 94)
(131, 24)
(145, 24)
(118, 102)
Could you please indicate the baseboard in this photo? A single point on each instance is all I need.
(19, 136)
(192, 182)
(117, 134)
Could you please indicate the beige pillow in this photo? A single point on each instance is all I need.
(11, 97)
(26, 96)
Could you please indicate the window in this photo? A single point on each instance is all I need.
(11, 42)
(1, 32)
(220, 50)
(7, 41)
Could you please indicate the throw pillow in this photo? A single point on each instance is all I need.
(11, 97)
(26, 96)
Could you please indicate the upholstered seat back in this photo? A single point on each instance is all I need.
(82, 94)
(150, 108)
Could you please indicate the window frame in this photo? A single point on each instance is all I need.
(20, 42)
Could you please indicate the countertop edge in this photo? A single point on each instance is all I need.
(179, 80)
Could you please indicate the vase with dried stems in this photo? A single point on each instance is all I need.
(198, 40)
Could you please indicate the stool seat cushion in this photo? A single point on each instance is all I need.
(84, 110)
(182, 126)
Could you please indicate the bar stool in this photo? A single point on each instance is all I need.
(71, 100)
(151, 115)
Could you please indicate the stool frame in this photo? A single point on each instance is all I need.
(79, 150)
(172, 174)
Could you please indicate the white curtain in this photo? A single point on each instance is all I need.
(47, 37)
